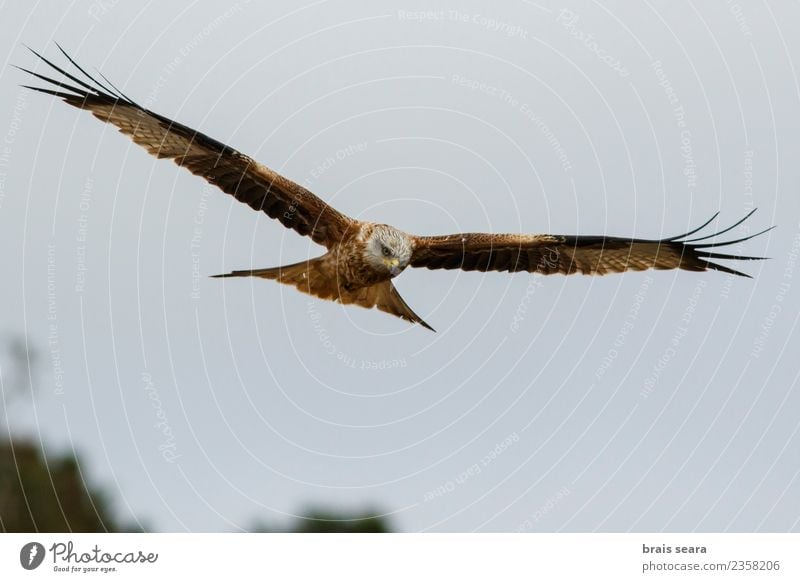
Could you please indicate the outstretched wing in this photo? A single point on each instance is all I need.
(234, 173)
(590, 255)
(385, 297)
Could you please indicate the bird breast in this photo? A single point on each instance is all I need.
(352, 267)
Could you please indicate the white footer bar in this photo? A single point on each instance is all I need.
(353, 557)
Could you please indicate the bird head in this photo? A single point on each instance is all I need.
(389, 249)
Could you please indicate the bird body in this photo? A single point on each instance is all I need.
(357, 270)
(363, 258)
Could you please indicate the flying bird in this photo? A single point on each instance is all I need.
(363, 258)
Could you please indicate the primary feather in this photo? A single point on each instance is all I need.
(363, 257)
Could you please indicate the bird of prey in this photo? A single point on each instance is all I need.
(363, 258)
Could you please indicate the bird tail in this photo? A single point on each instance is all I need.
(313, 278)
(304, 275)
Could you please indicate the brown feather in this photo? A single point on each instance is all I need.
(317, 277)
(345, 272)
(234, 173)
(548, 254)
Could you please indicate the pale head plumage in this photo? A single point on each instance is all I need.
(387, 248)
(362, 257)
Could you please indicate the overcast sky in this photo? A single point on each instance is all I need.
(647, 401)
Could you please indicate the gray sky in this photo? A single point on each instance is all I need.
(650, 401)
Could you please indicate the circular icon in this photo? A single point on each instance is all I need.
(31, 555)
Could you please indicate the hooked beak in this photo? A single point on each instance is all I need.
(394, 267)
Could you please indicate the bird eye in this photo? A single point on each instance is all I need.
(385, 250)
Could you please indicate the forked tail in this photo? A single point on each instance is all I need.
(316, 278)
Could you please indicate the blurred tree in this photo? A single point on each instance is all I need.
(320, 520)
(39, 494)
(326, 521)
